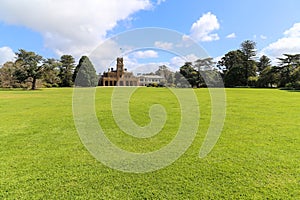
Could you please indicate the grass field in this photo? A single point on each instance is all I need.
(256, 157)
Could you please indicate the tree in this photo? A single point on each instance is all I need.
(7, 78)
(31, 67)
(165, 72)
(66, 70)
(233, 68)
(268, 77)
(240, 68)
(263, 63)
(205, 71)
(292, 60)
(231, 59)
(296, 78)
(85, 73)
(287, 66)
(235, 76)
(204, 64)
(296, 74)
(51, 73)
(248, 47)
(180, 81)
(190, 74)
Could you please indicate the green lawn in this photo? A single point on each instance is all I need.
(256, 157)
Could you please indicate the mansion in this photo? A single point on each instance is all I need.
(121, 77)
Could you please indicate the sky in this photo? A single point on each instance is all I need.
(53, 28)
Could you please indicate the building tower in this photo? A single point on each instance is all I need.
(120, 67)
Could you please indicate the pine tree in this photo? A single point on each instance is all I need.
(85, 73)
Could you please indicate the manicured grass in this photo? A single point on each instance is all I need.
(256, 157)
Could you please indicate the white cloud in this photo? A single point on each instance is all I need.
(146, 54)
(263, 37)
(176, 62)
(70, 26)
(288, 44)
(147, 67)
(104, 56)
(203, 28)
(133, 65)
(294, 31)
(6, 54)
(230, 36)
(159, 2)
(163, 45)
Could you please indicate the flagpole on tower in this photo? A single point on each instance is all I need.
(121, 51)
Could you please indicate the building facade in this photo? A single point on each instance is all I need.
(118, 76)
(145, 80)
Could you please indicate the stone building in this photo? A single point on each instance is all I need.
(118, 77)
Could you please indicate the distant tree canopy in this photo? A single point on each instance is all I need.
(201, 73)
(31, 69)
(239, 68)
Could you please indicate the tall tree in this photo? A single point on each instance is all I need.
(268, 77)
(31, 66)
(165, 72)
(180, 81)
(233, 68)
(248, 47)
(190, 74)
(51, 73)
(292, 60)
(66, 70)
(7, 75)
(264, 62)
(287, 66)
(296, 78)
(230, 59)
(85, 73)
(203, 66)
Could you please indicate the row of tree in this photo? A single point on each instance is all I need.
(31, 69)
(240, 68)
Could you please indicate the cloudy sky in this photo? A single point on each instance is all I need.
(55, 27)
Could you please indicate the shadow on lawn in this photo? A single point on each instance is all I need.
(20, 89)
(290, 89)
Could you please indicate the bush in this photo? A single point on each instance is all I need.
(297, 85)
(292, 86)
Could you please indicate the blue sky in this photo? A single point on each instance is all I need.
(53, 28)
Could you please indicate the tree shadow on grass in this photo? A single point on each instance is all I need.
(19, 89)
(290, 89)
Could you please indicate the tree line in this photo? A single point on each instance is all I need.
(241, 68)
(30, 69)
(238, 68)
